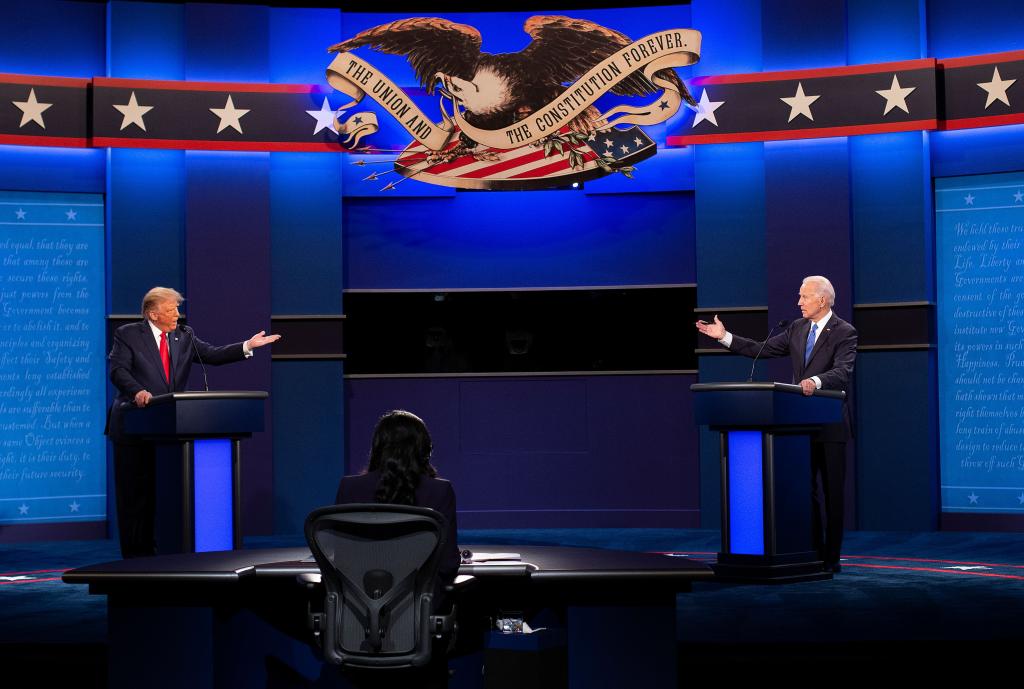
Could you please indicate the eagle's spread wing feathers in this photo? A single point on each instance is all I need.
(568, 48)
(431, 45)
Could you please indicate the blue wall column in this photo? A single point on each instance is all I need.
(730, 214)
(893, 229)
(227, 231)
(729, 197)
(228, 286)
(306, 278)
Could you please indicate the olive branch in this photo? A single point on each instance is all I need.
(565, 143)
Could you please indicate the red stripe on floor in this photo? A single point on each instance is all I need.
(936, 570)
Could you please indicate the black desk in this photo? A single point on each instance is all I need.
(237, 618)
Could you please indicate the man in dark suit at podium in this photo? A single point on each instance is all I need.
(822, 348)
(153, 357)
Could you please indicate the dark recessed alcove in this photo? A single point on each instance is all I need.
(617, 329)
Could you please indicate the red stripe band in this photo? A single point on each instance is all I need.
(784, 134)
(819, 73)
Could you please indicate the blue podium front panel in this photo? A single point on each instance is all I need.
(746, 492)
(213, 494)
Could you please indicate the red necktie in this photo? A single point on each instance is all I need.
(165, 356)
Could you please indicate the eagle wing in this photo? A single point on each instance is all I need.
(568, 48)
(431, 45)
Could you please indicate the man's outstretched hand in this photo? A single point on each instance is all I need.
(260, 339)
(714, 330)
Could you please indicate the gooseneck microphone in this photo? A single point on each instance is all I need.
(778, 326)
(190, 331)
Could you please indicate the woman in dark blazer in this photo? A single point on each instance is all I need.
(400, 473)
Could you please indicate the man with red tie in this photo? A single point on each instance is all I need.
(153, 357)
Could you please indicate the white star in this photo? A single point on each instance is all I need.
(1019, 196)
(74, 506)
(1020, 498)
(19, 214)
(625, 148)
(32, 110)
(324, 117)
(638, 142)
(592, 137)
(969, 199)
(973, 498)
(800, 104)
(896, 96)
(133, 113)
(72, 214)
(22, 508)
(706, 110)
(229, 116)
(996, 89)
(608, 143)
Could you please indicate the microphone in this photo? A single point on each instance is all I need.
(190, 331)
(780, 324)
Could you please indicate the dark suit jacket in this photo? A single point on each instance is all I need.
(434, 493)
(831, 360)
(135, 364)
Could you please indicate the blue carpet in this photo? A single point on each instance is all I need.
(939, 603)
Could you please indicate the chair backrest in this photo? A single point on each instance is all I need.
(379, 568)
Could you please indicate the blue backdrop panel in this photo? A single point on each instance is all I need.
(54, 37)
(227, 42)
(897, 471)
(803, 34)
(309, 418)
(228, 261)
(305, 233)
(808, 223)
(885, 31)
(729, 45)
(52, 389)
(519, 239)
(730, 209)
(891, 217)
(670, 170)
(621, 456)
(976, 151)
(146, 211)
(298, 44)
(36, 168)
(980, 258)
(959, 28)
(146, 40)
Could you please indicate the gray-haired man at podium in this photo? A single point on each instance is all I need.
(152, 357)
(822, 348)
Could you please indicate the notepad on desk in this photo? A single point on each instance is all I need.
(495, 559)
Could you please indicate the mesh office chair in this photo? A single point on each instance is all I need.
(379, 567)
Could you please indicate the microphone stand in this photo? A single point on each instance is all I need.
(192, 333)
(780, 324)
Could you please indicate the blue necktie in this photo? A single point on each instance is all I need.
(810, 343)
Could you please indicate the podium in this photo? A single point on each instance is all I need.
(766, 431)
(198, 438)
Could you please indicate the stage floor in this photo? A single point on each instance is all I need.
(918, 604)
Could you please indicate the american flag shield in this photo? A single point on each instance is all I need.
(533, 166)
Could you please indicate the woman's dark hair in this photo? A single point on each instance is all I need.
(400, 451)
